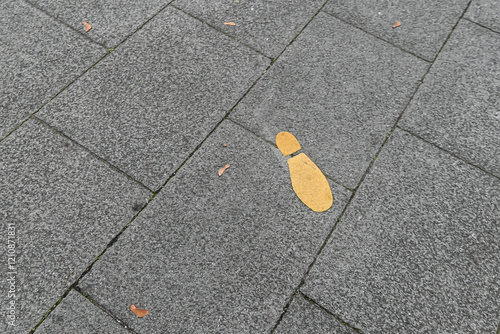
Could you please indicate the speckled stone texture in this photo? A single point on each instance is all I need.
(215, 254)
(77, 315)
(38, 57)
(65, 206)
(417, 250)
(266, 25)
(339, 91)
(425, 24)
(111, 20)
(304, 317)
(458, 105)
(152, 101)
(485, 12)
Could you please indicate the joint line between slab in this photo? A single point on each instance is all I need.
(115, 168)
(55, 18)
(52, 308)
(86, 270)
(481, 25)
(301, 30)
(55, 96)
(311, 265)
(452, 30)
(339, 319)
(221, 31)
(105, 310)
(464, 160)
(380, 38)
(214, 128)
(143, 24)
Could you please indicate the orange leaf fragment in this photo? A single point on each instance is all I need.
(223, 169)
(397, 24)
(224, 144)
(229, 23)
(87, 26)
(138, 312)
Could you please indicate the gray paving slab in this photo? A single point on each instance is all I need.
(38, 57)
(152, 101)
(76, 315)
(215, 254)
(458, 105)
(417, 250)
(111, 20)
(425, 25)
(485, 12)
(304, 317)
(60, 206)
(339, 90)
(268, 26)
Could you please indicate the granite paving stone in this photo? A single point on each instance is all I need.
(425, 24)
(78, 315)
(215, 254)
(485, 12)
(458, 105)
(417, 250)
(304, 317)
(268, 26)
(111, 20)
(339, 91)
(38, 57)
(152, 101)
(64, 206)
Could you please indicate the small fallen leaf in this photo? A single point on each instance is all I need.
(224, 144)
(138, 312)
(87, 26)
(223, 169)
(397, 24)
(229, 23)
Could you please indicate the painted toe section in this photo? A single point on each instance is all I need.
(287, 143)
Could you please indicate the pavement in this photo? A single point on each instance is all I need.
(111, 140)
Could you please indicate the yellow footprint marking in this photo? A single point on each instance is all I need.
(308, 182)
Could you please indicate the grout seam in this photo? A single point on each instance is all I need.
(464, 160)
(57, 19)
(452, 31)
(113, 167)
(31, 115)
(481, 25)
(217, 29)
(105, 310)
(213, 130)
(380, 38)
(339, 319)
(76, 282)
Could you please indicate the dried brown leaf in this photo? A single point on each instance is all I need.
(87, 26)
(397, 24)
(229, 23)
(223, 169)
(138, 312)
